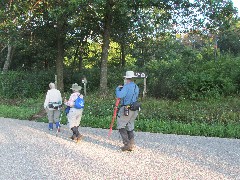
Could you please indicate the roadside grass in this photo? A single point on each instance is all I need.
(210, 117)
(19, 108)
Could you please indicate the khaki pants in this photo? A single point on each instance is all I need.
(53, 115)
(74, 117)
(126, 121)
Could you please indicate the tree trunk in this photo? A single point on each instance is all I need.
(60, 55)
(105, 48)
(9, 58)
(80, 64)
(123, 56)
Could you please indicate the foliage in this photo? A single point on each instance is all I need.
(189, 77)
(209, 117)
(229, 40)
(22, 84)
(210, 111)
(136, 26)
(192, 77)
(20, 108)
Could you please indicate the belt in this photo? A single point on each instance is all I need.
(125, 105)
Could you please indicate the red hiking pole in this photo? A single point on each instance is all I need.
(114, 116)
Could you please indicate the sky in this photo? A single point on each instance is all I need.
(236, 3)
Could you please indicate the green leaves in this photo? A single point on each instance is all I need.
(210, 117)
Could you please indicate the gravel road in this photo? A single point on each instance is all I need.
(29, 151)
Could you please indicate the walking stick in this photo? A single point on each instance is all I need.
(114, 116)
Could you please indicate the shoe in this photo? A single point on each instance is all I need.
(131, 145)
(50, 126)
(126, 148)
(73, 137)
(58, 125)
(79, 138)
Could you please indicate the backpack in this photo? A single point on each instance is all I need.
(79, 103)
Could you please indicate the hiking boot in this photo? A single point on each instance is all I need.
(126, 148)
(79, 138)
(131, 145)
(124, 135)
(73, 137)
(131, 140)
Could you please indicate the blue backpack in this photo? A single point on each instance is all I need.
(79, 103)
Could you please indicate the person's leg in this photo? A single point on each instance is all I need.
(78, 120)
(50, 119)
(124, 135)
(50, 126)
(74, 136)
(130, 129)
(78, 135)
(131, 139)
(122, 122)
(70, 123)
(57, 114)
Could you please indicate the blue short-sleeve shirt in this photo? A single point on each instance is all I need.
(128, 94)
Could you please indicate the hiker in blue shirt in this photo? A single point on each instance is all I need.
(125, 119)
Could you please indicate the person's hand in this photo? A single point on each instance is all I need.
(65, 100)
(120, 87)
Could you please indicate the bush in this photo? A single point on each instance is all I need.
(192, 77)
(189, 77)
(24, 84)
(212, 117)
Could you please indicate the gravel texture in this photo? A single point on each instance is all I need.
(29, 151)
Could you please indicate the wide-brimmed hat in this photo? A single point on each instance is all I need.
(76, 87)
(130, 74)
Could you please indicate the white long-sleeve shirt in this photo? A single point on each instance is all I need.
(53, 95)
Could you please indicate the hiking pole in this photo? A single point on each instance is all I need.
(114, 116)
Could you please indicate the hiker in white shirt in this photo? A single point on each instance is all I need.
(53, 105)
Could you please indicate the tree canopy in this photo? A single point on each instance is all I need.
(78, 34)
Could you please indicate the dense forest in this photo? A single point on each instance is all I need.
(188, 49)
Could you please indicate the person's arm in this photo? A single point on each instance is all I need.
(60, 97)
(81, 96)
(46, 101)
(121, 91)
(71, 100)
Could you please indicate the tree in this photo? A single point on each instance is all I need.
(229, 40)
(11, 17)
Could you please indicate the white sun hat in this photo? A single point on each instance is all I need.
(130, 74)
(52, 85)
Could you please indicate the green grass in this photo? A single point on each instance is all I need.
(210, 117)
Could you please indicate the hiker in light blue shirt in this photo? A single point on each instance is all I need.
(125, 119)
(128, 93)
